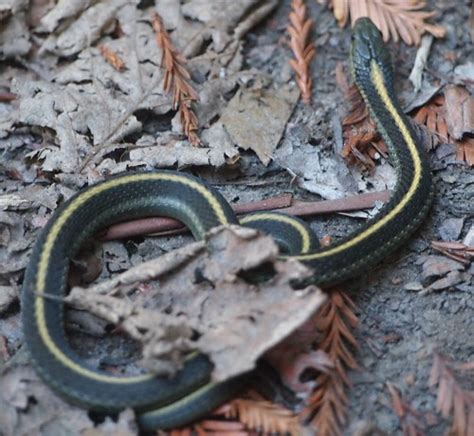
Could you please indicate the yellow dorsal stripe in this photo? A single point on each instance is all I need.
(51, 239)
(377, 79)
(305, 237)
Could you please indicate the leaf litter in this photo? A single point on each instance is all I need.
(205, 283)
(114, 132)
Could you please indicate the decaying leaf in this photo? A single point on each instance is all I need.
(91, 107)
(453, 399)
(206, 284)
(14, 32)
(395, 18)
(256, 118)
(93, 21)
(449, 117)
(14, 248)
(28, 406)
(8, 294)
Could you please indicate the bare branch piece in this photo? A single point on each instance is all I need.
(285, 204)
(455, 250)
(177, 81)
(303, 50)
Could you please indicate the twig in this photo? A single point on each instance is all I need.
(299, 30)
(7, 96)
(283, 204)
(455, 250)
(420, 61)
(176, 81)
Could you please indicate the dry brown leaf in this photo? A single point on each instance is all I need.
(410, 419)
(256, 118)
(29, 407)
(396, 19)
(446, 124)
(236, 325)
(459, 111)
(452, 400)
(304, 51)
(176, 81)
(326, 409)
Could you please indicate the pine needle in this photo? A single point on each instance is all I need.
(396, 19)
(176, 81)
(304, 51)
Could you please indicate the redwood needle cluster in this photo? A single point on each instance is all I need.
(303, 50)
(177, 81)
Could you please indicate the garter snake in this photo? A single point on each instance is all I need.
(162, 402)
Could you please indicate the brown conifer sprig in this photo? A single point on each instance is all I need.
(245, 416)
(395, 18)
(326, 410)
(177, 81)
(362, 142)
(453, 399)
(303, 50)
(112, 58)
(410, 419)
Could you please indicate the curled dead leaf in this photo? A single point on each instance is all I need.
(215, 294)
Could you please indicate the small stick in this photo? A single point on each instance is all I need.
(284, 204)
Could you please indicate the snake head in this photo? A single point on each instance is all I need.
(367, 47)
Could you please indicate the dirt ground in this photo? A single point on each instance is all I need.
(401, 320)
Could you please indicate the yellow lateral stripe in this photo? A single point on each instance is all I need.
(48, 247)
(183, 402)
(377, 79)
(305, 237)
